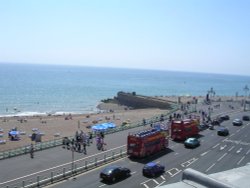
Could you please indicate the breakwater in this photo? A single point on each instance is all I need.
(140, 101)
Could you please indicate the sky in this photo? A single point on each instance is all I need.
(180, 35)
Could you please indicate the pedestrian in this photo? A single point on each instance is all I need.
(84, 145)
(91, 137)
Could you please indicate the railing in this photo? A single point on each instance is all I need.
(58, 142)
(66, 170)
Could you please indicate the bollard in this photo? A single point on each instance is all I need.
(64, 170)
(38, 180)
(104, 159)
(86, 164)
(51, 177)
(120, 152)
(113, 155)
(75, 168)
(23, 183)
(95, 161)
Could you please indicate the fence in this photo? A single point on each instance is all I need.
(66, 170)
(58, 142)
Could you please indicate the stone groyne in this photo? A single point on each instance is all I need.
(140, 101)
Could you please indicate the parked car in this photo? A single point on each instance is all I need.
(245, 118)
(223, 131)
(152, 169)
(113, 173)
(191, 143)
(237, 122)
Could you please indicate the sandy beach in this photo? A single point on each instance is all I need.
(54, 127)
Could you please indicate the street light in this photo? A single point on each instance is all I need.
(246, 89)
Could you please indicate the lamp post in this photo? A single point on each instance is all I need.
(73, 150)
(246, 89)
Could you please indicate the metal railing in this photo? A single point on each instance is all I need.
(58, 142)
(66, 170)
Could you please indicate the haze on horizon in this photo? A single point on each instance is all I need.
(196, 36)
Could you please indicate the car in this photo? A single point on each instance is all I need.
(223, 131)
(216, 122)
(191, 143)
(203, 126)
(113, 173)
(245, 118)
(152, 169)
(224, 117)
(237, 122)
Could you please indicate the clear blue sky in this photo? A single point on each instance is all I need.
(185, 35)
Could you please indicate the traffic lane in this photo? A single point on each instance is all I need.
(91, 179)
(20, 166)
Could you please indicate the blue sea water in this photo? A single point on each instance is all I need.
(27, 89)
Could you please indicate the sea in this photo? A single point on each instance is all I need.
(31, 89)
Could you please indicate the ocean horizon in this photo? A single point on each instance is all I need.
(30, 89)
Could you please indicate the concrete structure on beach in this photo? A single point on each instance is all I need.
(139, 101)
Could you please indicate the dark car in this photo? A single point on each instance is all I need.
(191, 143)
(246, 118)
(216, 122)
(113, 173)
(203, 126)
(152, 169)
(224, 117)
(223, 131)
(237, 122)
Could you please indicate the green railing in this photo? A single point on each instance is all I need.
(58, 142)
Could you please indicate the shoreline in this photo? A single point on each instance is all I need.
(68, 124)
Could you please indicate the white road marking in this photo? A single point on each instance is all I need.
(161, 183)
(176, 171)
(247, 152)
(102, 185)
(133, 172)
(240, 160)
(223, 147)
(155, 181)
(222, 156)
(210, 167)
(145, 185)
(205, 153)
(231, 148)
(163, 178)
(189, 162)
(176, 153)
(224, 140)
(238, 151)
(232, 135)
(238, 130)
(215, 146)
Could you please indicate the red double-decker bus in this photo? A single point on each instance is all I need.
(147, 142)
(183, 129)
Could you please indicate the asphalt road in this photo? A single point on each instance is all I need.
(207, 158)
(216, 154)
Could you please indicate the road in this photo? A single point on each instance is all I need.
(210, 157)
(216, 154)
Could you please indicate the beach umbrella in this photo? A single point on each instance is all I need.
(14, 133)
